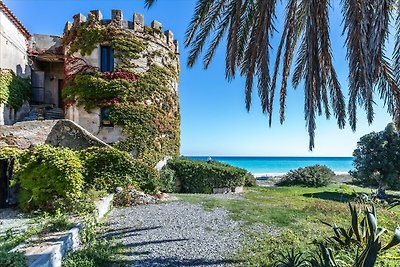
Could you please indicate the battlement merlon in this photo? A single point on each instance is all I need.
(136, 25)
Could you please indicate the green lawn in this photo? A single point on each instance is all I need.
(277, 219)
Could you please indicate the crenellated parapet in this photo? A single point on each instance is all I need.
(122, 82)
(136, 25)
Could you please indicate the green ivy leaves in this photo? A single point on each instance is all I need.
(14, 90)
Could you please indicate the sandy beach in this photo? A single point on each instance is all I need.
(278, 174)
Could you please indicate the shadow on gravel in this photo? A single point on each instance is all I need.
(164, 262)
(125, 232)
(139, 244)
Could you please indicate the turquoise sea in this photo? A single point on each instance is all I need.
(274, 165)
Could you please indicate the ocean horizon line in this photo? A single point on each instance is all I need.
(236, 156)
(277, 174)
(279, 164)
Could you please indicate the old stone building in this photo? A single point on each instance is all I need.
(14, 38)
(117, 78)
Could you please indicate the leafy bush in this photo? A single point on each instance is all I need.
(146, 177)
(13, 89)
(197, 176)
(7, 152)
(250, 180)
(12, 259)
(48, 175)
(167, 180)
(98, 253)
(311, 176)
(107, 168)
(377, 159)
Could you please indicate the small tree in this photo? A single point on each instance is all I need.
(377, 159)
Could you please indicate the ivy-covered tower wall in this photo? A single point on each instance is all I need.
(122, 83)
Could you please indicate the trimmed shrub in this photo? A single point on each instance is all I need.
(146, 177)
(107, 168)
(167, 180)
(250, 180)
(9, 152)
(311, 176)
(48, 174)
(197, 176)
(12, 259)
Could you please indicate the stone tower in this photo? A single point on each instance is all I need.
(122, 82)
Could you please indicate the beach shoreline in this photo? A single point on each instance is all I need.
(279, 174)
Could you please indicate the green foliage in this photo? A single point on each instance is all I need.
(12, 259)
(107, 168)
(250, 180)
(52, 178)
(48, 175)
(85, 38)
(145, 109)
(291, 258)
(14, 90)
(277, 219)
(147, 177)
(9, 152)
(168, 180)
(96, 254)
(197, 176)
(377, 159)
(152, 31)
(311, 176)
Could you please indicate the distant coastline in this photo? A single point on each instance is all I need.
(278, 166)
(278, 174)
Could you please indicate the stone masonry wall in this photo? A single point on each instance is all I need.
(64, 133)
(161, 49)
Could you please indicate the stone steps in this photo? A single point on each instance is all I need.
(46, 112)
(54, 114)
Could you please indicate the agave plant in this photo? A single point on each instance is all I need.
(365, 234)
(325, 258)
(291, 258)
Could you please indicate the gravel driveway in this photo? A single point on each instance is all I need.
(174, 234)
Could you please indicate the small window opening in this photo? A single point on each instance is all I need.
(106, 59)
(105, 117)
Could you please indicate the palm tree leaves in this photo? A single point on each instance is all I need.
(366, 24)
(314, 66)
(248, 27)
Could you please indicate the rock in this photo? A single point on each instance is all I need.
(119, 190)
(132, 197)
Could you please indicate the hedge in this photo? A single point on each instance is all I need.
(56, 177)
(310, 176)
(197, 176)
(48, 174)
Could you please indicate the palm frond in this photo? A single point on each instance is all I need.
(314, 66)
(149, 3)
(367, 26)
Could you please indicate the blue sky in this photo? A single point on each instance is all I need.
(214, 119)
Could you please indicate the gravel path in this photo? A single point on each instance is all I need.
(174, 234)
(13, 219)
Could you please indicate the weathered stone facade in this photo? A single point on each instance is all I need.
(64, 133)
(13, 55)
(161, 49)
(47, 59)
